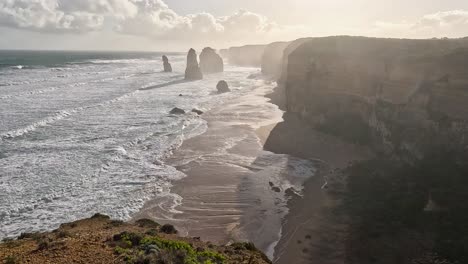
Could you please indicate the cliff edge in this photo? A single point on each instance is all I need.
(102, 240)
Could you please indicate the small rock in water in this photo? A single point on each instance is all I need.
(196, 111)
(276, 189)
(177, 111)
(180, 95)
(223, 87)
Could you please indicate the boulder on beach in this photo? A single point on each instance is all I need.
(193, 72)
(223, 87)
(177, 111)
(210, 61)
(167, 65)
(196, 111)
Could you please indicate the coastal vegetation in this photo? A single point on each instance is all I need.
(100, 239)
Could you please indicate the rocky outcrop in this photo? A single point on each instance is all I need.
(166, 64)
(177, 111)
(272, 58)
(102, 240)
(196, 111)
(210, 61)
(223, 87)
(399, 96)
(250, 55)
(193, 71)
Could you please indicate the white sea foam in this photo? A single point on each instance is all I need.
(33, 126)
(92, 142)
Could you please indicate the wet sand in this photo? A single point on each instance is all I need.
(312, 232)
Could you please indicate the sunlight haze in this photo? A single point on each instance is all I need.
(151, 24)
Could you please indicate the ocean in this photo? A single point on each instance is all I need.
(88, 132)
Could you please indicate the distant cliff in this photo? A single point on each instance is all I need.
(249, 55)
(400, 96)
(272, 58)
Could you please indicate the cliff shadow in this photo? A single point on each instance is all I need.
(313, 231)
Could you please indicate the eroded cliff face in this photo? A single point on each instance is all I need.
(272, 58)
(249, 55)
(401, 97)
(210, 61)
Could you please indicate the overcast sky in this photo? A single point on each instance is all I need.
(175, 25)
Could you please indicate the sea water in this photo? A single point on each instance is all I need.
(88, 132)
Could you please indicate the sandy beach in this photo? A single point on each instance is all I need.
(234, 189)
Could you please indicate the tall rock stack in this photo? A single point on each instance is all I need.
(193, 72)
(210, 61)
(167, 65)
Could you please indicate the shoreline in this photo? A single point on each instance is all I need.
(228, 193)
(214, 203)
(311, 220)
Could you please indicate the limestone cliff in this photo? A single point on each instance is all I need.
(272, 58)
(250, 55)
(193, 72)
(399, 96)
(166, 64)
(210, 61)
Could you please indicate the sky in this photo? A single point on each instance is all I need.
(176, 25)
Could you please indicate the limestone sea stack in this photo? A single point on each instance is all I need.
(167, 65)
(193, 71)
(223, 87)
(210, 61)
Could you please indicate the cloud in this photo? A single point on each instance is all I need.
(47, 15)
(441, 24)
(149, 18)
(157, 20)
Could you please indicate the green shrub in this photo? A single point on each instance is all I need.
(43, 244)
(129, 239)
(244, 246)
(11, 260)
(147, 223)
(168, 251)
(168, 229)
